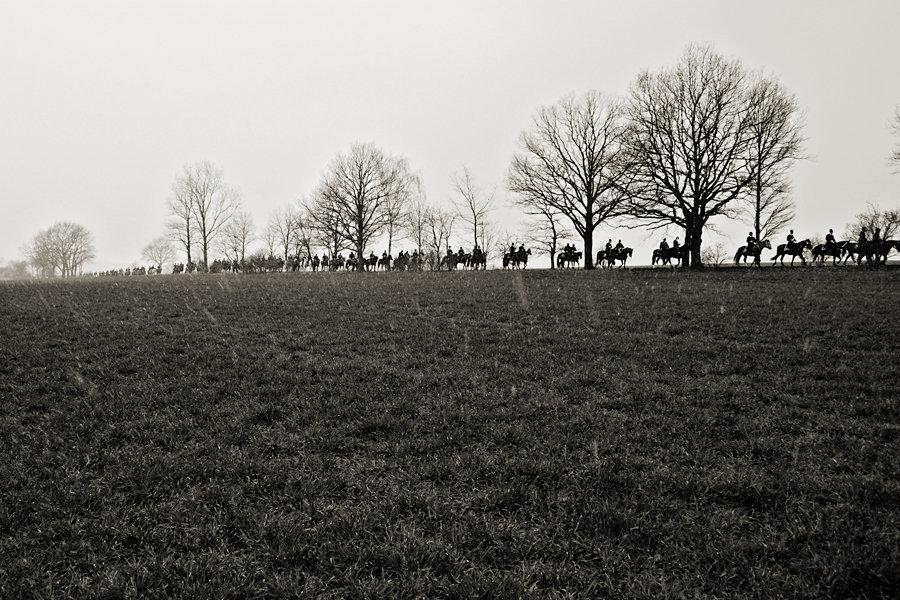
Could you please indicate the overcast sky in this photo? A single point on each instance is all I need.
(103, 102)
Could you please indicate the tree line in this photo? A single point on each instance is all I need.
(704, 138)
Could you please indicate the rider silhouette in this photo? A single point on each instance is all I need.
(619, 246)
(791, 242)
(829, 241)
(608, 246)
(751, 242)
(663, 245)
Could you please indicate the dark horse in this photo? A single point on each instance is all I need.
(517, 259)
(821, 251)
(796, 251)
(614, 255)
(568, 260)
(664, 257)
(755, 252)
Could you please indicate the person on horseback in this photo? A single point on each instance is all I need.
(791, 242)
(521, 249)
(675, 243)
(619, 246)
(751, 243)
(608, 247)
(829, 242)
(663, 245)
(512, 250)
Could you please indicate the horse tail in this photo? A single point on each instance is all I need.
(737, 255)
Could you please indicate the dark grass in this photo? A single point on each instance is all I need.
(630, 434)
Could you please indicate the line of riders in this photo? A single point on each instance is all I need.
(874, 251)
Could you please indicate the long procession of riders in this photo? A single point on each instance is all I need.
(862, 251)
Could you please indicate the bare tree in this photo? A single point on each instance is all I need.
(487, 239)
(181, 226)
(547, 229)
(237, 234)
(689, 144)
(416, 219)
(356, 192)
(304, 234)
(158, 252)
(439, 224)
(281, 229)
(569, 161)
(472, 204)
(62, 249)
(776, 142)
(895, 127)
(888, 221)
(211, 204)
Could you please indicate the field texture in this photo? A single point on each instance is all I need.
(636, 434)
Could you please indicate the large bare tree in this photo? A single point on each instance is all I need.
(689, 144)
(202, 205)
(472, 204)
(776, 142)
(62, 249)
(357, 192)
(159, 252)
(569, 161)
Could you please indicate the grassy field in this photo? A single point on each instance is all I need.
(640, 434)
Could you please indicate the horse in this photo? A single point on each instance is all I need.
(883, 248)
(620, 254)
(755, 252)
(521, 258)
(820, 251)
(665, 256)
(796, 251)
(569, 260)
(449, 261)
(384, 263)
(477, 259)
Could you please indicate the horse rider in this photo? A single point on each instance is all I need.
(619, 247)
(608, 247)
(512, 250)
(863, 239)
(829, 242)
(663, 246)
(521, 249)
(791, 241)
(751, 242)
(675, 243)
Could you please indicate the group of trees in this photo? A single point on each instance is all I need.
(61, 250)
(703, 139)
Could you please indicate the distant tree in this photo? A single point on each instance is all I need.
(416, 219)
(181, 225)
(487, 239)
(62, 249)
(775, 128)
(689, 151)
(17, 269)
(304, 234)
(439, 224)
(569, 161)
(357, 193)
(282, 230)
(472, 204)
(715, 255)
(895, 127)
(210, 202)
(547, 229)
(158, 252)
(237, 234)
(888, 221)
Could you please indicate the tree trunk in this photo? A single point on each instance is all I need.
(696, 240)
(588, 248)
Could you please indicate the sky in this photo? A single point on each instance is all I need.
(103, 102)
